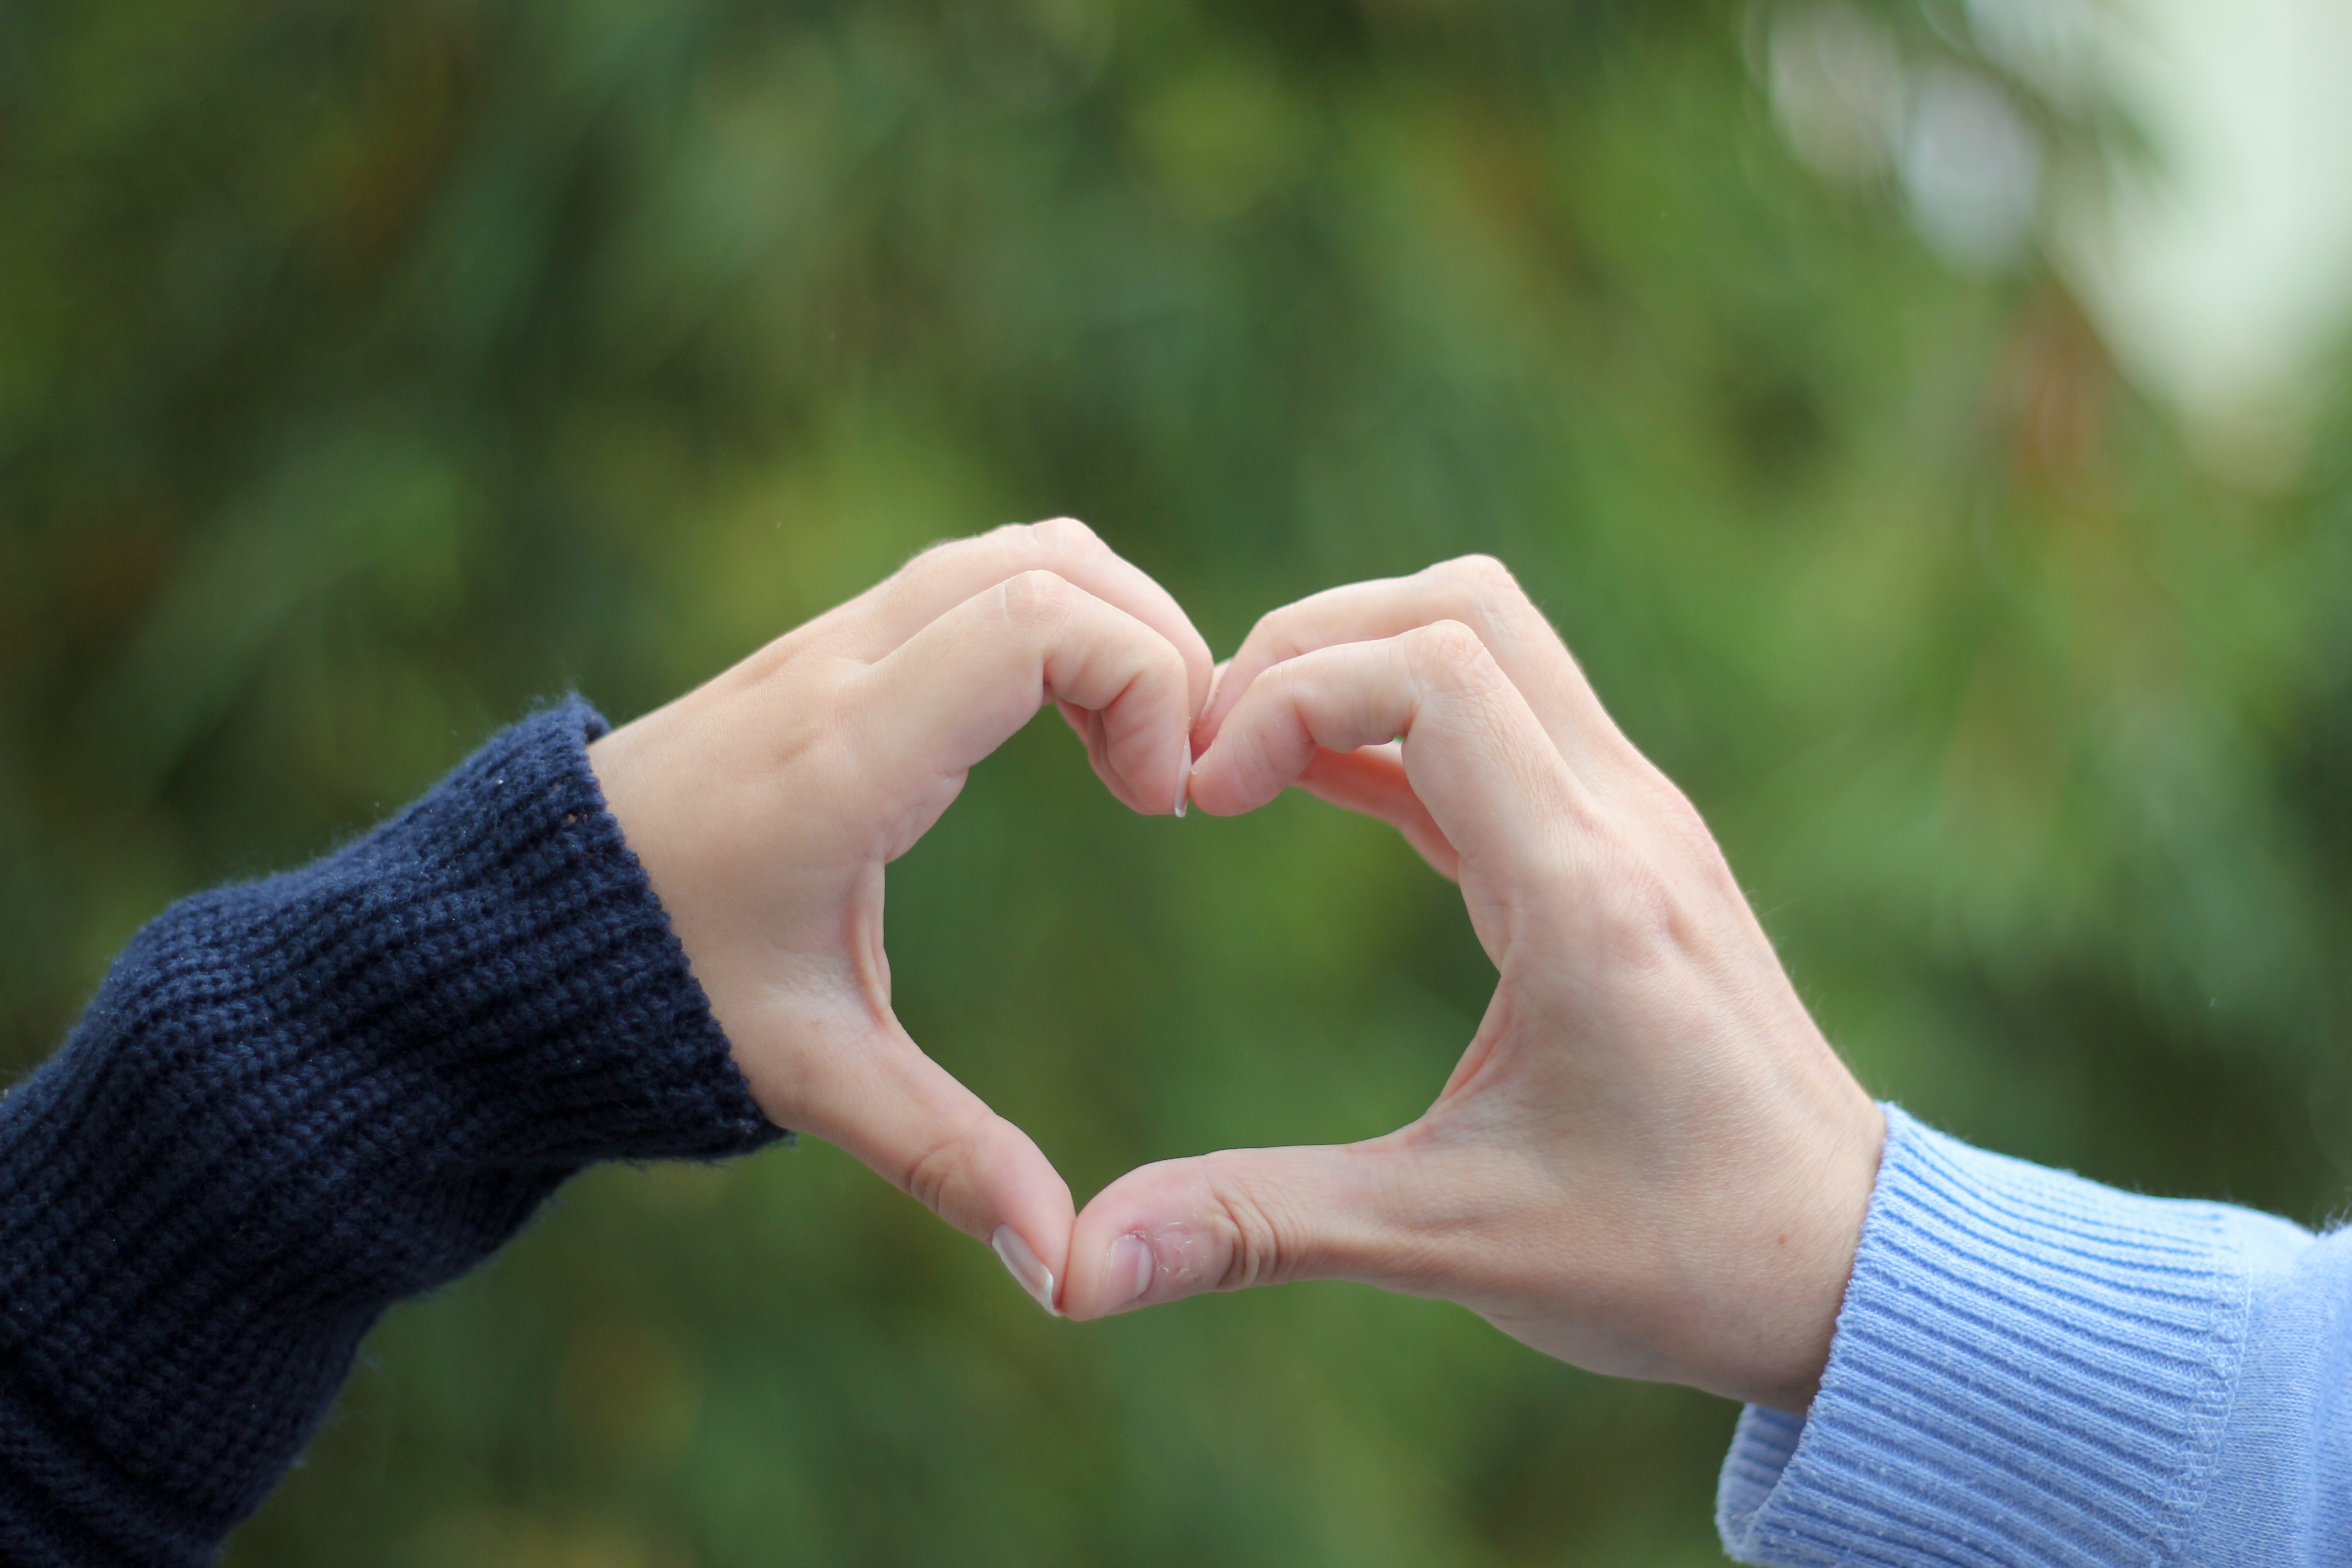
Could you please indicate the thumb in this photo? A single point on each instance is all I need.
(1245, 1216)
(908, 1119)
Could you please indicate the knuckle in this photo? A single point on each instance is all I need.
(1690, 841)
(1453, 653)
(1290, 680)
(1484, 572)
(1640, 914)
(934, 1175)
(1036, 596)
(1273, 640)
(1481, 583)
(1066, 537)
(1483, 592)
(1257, 1251)
(1676, 812)
(1173, 669)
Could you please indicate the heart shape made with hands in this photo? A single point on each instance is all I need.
(1569, 1181)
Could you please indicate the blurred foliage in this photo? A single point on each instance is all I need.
(369, 370)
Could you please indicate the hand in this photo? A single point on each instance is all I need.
(1648, 1161)
(764, 805)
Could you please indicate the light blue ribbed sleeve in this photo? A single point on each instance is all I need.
(2034, 1369)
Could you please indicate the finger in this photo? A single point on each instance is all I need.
(1202, 734)
(1478, 591)
(947, 574)
(1372, 780)
(901, 1113)
(959, 687)
(1251, 1217)
(1084, 723)
(1087, 725)
(1494, 788)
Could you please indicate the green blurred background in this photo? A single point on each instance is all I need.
(370, 371)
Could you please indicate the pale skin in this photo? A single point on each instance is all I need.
(765, 804)
(1648, 1161)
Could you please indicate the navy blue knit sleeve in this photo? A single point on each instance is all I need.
(296, 1102)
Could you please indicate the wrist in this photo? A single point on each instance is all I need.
(2050, 1351)
(1778, 1313)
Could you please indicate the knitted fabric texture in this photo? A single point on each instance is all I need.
(2030, 1368)
(294, 1102)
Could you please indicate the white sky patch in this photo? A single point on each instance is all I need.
(2223, 276)
(1971, 167)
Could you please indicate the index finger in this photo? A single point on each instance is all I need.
(878, 621)
(958, 687)
(1478, 591)
(1495, 789)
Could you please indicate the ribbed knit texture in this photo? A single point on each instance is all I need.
(2032, 1369)
(296, 1102)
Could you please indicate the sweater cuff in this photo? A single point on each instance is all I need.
(2028, 1368)
(540, 983)
(297, 1102)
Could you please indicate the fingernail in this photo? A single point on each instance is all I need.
(1131, 1263)
(1024, 1266)
(1184, 781)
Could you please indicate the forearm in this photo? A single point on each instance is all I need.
(295, 1102)
(2030, 1368)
